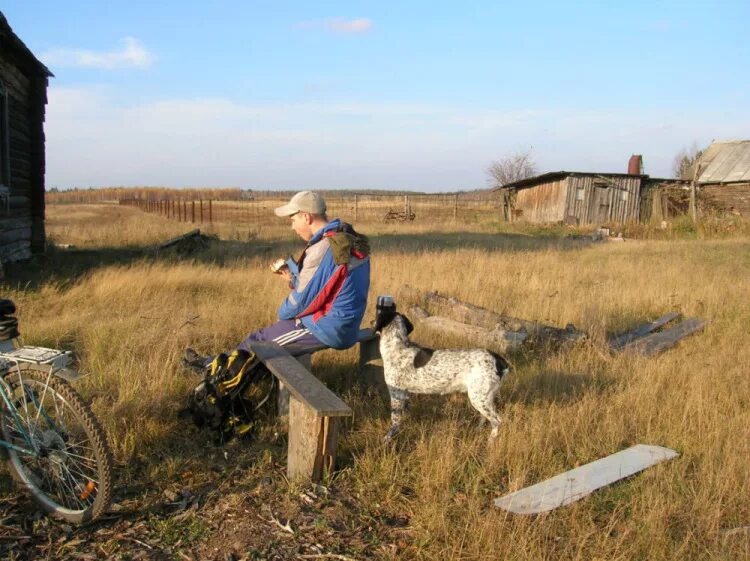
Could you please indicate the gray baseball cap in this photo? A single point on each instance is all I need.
(304, 201)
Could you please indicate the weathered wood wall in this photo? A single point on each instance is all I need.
(581, 198)
(604, 198)
(542, 203)
(22, 221)
(734, 198)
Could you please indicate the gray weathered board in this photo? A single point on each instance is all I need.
(298, 380)
(663, 340)
(572, 485)
(619, 341)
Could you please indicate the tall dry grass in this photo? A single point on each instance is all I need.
(129, 318)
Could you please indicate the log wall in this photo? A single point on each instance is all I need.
(734, 198)
(22, 220)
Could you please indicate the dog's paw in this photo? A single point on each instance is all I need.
(493, 433)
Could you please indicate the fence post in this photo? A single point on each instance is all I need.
(210, 212)
(455, 207)
(356, 209)
(192, 214)
(184, 210)
(201, 202)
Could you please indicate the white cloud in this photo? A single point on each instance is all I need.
(338, 24)
(342, 25)
(131, 54)
(96, 138)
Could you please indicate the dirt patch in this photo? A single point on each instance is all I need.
(238, 510)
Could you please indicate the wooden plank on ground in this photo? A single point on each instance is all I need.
(666, 339)
(619, 341)
(299, 381)
(575, 484)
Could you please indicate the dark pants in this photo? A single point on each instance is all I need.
(287, 333)
(295, 337)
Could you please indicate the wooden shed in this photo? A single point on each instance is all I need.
(573, 198)
(23, 97)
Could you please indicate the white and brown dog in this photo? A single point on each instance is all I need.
(410, 369)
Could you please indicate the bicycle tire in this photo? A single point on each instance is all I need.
(61, 457)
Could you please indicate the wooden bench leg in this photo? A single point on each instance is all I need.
(282, 402)
(312, 443)
(370, 376)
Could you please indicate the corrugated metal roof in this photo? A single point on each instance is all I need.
(724, 162)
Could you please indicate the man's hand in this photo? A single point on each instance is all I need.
(286, 274)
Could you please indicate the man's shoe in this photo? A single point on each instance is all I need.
(194, 361)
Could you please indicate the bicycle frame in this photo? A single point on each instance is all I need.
(57, 360)
(5, 393)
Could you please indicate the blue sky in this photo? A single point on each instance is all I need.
(408, 95)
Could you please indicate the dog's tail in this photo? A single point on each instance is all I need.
(501, 365)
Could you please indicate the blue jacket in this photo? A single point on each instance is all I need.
(329, 298)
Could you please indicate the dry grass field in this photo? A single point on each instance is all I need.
(128, 312)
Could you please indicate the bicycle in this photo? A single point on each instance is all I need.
(50, 439)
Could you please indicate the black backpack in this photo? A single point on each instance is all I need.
(8, 323)
(226, 402)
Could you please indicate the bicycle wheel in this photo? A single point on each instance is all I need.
(70, 473)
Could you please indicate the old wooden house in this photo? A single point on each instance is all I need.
(719, 179)
(23, 97)
(574, 198)
(723, 175)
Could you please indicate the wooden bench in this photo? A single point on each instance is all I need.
(314, 411)
(312, 408)
(369, 350)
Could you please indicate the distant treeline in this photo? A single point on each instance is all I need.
(114, 194)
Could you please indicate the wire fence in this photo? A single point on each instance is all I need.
(358, 209)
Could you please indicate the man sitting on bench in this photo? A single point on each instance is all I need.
(328, 284)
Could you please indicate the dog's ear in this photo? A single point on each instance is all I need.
(408, 324)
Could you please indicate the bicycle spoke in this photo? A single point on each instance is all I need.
(80, 458)
(60, 416)
(23, 393)
(77, 444)
(70, 491)
(82, 470)
(84, 502)
(44, 393)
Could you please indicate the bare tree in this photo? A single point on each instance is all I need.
(518, 165)
(684, 160)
